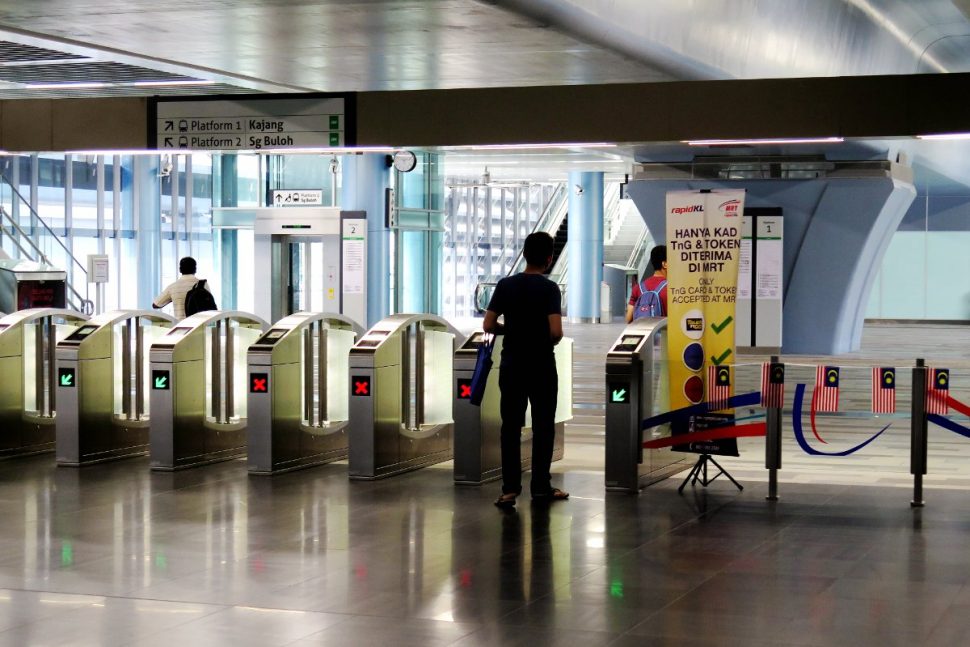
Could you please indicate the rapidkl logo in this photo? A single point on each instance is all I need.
(730, 208)
(694, 208)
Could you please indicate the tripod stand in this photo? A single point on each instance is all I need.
(699, 473)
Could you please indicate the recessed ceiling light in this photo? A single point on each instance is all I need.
(152, 84)
(66, 86)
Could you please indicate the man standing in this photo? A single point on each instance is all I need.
(531, 304)
(175, 292)
(658, 260)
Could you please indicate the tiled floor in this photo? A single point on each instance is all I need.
(117, 555)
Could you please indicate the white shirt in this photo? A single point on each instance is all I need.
(175, 294)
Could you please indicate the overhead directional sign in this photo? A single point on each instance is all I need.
(161, 380)
(297, 197)
(65, 377)
(319, 121)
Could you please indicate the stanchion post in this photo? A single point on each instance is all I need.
(773, 446)
(917, 436)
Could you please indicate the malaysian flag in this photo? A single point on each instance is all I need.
(772, 385)
(718, 387)
(937, 390)
(826, 395)
(883, 389)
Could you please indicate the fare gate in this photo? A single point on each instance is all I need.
(401, 414)
(636, 388)
(198, 389)
(102, 413)
(478, 448)
(299, 393)
(28, 399)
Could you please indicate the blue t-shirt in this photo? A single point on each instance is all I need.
(526, 300)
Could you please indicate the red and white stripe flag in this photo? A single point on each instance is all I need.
(826, 394)
(883, 389)
(772, 385)
(937, 390)
(718, 387)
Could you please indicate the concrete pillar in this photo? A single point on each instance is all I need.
(585, 246)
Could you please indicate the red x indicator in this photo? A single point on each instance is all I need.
(258, 383)
(360, 385)
(464, 389)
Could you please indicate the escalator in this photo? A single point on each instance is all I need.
(559, 242)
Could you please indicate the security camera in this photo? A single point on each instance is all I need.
(166, 168)
(334, 165)
(578, 189)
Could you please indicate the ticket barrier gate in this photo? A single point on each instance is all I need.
(28, 397)
(102, 411)
(198, 389)
(401, 414)
(636, 388)
(478, 447)
(299, 392)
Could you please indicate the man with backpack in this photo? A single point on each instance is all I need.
(188, 295)
(649, 297)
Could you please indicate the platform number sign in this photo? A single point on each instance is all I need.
(259, 382)
(66, 377)
(161, 380)
(360, 385)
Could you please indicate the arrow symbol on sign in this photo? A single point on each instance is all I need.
(160, 382)
(66, 380)
(168, 143)
(619, 395)
(169, 125)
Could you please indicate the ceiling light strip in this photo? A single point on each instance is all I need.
(757, 142)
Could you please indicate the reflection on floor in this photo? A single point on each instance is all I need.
(116, 555)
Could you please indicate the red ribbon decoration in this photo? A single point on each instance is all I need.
(959, 406)
(720, 433)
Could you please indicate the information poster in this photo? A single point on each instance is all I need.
(703, 250)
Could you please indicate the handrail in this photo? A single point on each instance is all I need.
(557, 205)
(36, 215)
(83, 304)
(610, 208)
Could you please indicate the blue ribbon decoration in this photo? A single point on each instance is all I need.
(800, 436)
(946, 423)
(743, 400)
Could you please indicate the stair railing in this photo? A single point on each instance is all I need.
(33, 252)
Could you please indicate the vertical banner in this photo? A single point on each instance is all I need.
(703, 249)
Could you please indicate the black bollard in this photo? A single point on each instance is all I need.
(773, 443)
(917, 437)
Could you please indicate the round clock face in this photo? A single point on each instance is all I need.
(405, 161)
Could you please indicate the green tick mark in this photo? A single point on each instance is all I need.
(721, 326)
(717, 360)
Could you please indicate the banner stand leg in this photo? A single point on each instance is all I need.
(698, 474)
(918, 428)
(773, 446)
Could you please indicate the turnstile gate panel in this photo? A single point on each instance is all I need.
(299, 392)
(401, 378)
(199, 385)
(478, 448)
(28, 398)
(637, 388)
(104, 413)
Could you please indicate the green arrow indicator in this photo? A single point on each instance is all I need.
(67, 380)
(619, 395)
(161, 382)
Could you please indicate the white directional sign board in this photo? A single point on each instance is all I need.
(250, 124)
(297, 197)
